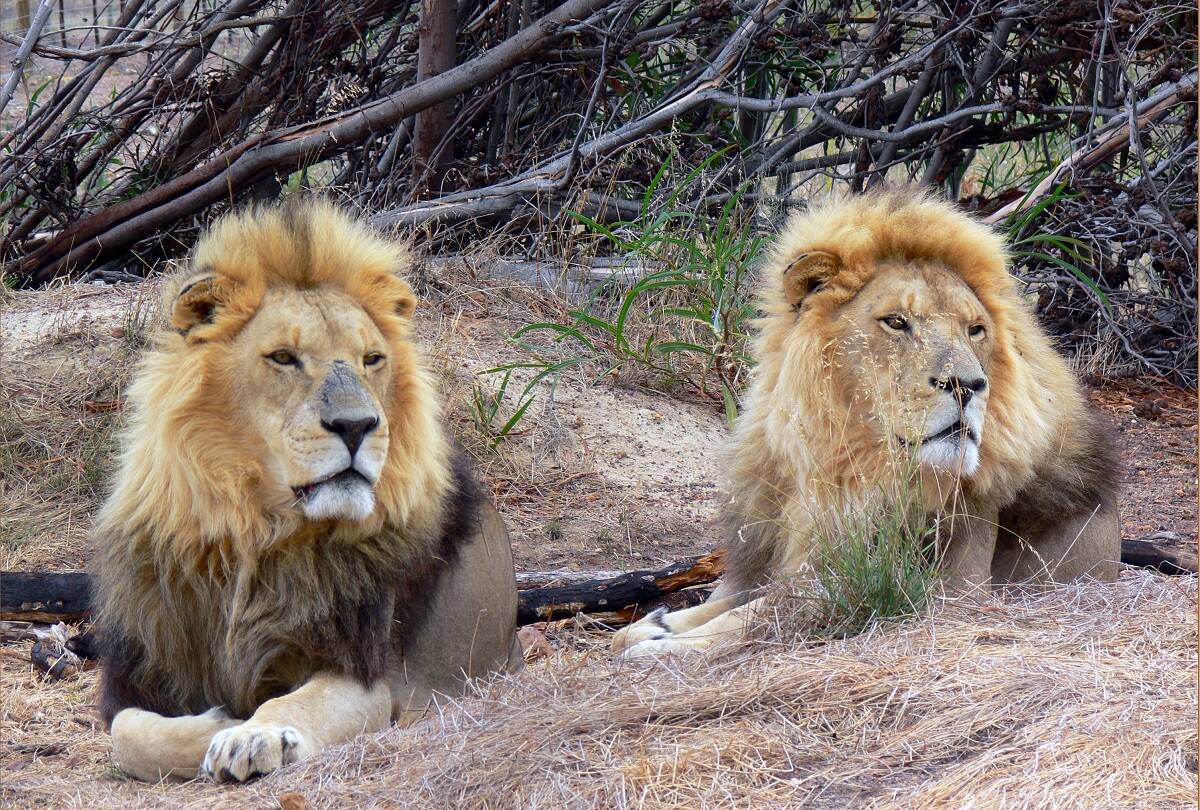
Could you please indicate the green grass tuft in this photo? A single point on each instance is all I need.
(877, 565)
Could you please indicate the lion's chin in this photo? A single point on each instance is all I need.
(954, 454)
(352, 500)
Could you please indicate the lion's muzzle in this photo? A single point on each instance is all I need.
(954, 429)
(353, 444)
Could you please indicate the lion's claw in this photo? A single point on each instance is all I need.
(246, 751)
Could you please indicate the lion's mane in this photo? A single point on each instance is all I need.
(210, 595)
(796, 451)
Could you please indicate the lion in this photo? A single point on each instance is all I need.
(892, 335)
(292, 552)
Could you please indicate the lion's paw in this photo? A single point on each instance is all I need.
(249, 750)
(663, 646)
(650, 627)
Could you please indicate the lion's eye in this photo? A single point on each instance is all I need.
(373, 359)
(896, 323)
(977, 331)
(282, 357)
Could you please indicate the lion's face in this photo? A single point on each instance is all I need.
(907, 346)
(917, 341)
(312, 373)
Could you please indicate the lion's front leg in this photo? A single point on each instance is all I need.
(660, 624)
(967, 556)
(151, 747)
(728, 624)
(326, 710)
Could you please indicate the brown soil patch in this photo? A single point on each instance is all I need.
(1157, 424)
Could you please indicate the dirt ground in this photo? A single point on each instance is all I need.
(595, 477)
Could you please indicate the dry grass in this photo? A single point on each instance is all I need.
(64, 365)
(1075, 697)
(1081, 696)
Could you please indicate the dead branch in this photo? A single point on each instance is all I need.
(115, 228)
(51, 653)
(554, 109)
(43, 597)
(1104, 144)
(1163, 551)
(617, 593)
(18, 63)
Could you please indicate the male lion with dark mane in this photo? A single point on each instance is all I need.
(893, 336)
(291, 554)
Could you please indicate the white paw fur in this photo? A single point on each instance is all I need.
(651, 626)
(250, 750)
(665, 645)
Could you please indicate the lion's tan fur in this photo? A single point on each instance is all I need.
(216, 586)
(805, 452)
(816, 448)
(186, 474)
(1025, 370)
(194, 510)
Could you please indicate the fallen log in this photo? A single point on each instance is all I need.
(528, 580)
(1164, 551)
(610, 595)
(65, 596)
(44, 597)
(26, 596)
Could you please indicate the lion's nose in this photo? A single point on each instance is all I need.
(962, 389)
(351, 431)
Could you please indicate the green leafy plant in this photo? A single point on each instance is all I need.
(1031, 242)
(686, 323)
(485, 406)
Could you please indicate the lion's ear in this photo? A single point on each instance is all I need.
(807, 273)
(198, 300)
(404, 300)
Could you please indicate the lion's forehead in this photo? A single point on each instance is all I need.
(320, 320)
(924, 289)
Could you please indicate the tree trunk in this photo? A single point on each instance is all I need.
(23, 16)
(436, 53)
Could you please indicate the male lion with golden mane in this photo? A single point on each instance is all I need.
(291, 554)
(893, 336)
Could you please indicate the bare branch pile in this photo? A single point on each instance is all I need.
(623, 110)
